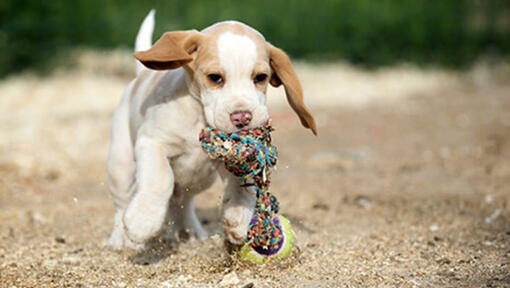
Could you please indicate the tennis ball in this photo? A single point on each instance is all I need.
(247, 252)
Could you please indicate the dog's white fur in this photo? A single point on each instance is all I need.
(155, 164)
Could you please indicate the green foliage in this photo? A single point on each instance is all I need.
(367, 32)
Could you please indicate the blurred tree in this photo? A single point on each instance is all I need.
(453, 33)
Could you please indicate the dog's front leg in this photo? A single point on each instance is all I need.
(238, 206)
(146, 212)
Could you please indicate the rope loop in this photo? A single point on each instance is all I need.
(249, 154)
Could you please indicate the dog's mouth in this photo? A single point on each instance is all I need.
(239, 128)
(251, 125)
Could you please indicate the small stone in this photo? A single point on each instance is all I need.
(60, 240)
(71, 260)
(50, 263)
(229, 279)
(493, 216)
(181, 281)
(77, 251)
(363, 202)
(443, 261)
(37, 217)
(321, 206)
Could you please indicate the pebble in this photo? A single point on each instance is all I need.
(38, 217)
(180, 281)
(364, 202)
(493, 216)
(60, 240)
(71, 260)
(229, 279)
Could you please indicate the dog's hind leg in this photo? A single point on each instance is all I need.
(181, 217)
(121, 169)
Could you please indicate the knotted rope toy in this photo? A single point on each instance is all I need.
(248, 154)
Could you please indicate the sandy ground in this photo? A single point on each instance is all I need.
(406, 186)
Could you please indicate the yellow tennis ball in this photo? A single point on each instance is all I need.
(283, 250)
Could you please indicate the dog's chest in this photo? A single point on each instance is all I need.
(193, 170)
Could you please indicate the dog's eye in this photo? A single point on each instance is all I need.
(215, 78)
(259, 78)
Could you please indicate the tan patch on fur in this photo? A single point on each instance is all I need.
(285, 75)
(171, 51)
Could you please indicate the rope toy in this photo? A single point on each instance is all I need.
(248, 154)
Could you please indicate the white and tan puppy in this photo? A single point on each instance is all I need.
(216, 77)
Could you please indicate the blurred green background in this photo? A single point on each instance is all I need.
(451, 33)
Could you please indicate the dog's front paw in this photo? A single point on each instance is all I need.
(235, 222)
(143, 222)
(119, 241)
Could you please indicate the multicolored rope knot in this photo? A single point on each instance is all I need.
(249, 154)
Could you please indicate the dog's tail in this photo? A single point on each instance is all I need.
(144, 37)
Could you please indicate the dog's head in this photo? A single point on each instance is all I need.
(229, 66)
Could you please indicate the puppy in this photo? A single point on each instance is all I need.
(189, 80)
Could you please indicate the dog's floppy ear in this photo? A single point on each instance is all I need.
(283, 73)
(171, 51)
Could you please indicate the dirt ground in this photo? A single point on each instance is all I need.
(407, 185)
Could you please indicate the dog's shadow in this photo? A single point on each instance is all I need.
(156, 250)
(159, 248)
